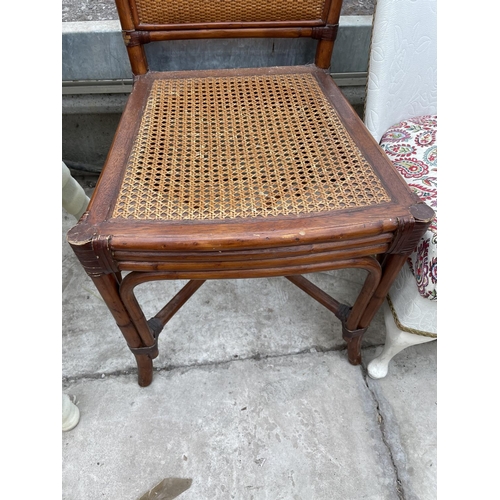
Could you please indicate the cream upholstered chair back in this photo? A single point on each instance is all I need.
(402, 85)
(402, 80)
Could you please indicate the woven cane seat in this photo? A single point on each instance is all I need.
(269, 156)
(242, 146)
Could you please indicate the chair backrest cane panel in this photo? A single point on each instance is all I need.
(145, 21)
(253, 12)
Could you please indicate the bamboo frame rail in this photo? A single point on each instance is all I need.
(134, 38)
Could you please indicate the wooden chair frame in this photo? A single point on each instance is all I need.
(377, 238)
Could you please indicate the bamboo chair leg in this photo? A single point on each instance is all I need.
(341, 311)
(354, 348)
(360, 318)
(390, 270)
(350, 317)
(144, 369)
(107, 285)
(150, 330)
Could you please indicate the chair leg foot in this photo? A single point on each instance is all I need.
(144, 369)
(353, 340)
(354, 350)
(395, 341)
(70, 413)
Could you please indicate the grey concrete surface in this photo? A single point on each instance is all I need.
(102, 10)
(252, 398)
(95, 51)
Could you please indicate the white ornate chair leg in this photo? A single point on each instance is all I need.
(395, 341)
(74, 199)
(70, 413)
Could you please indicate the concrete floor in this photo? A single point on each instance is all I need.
(252, 398)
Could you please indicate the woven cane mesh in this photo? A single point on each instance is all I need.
(219, 11)
(226, 147)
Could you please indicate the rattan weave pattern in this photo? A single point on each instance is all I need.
(242, 146)
(220, 11)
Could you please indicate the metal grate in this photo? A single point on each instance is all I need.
(219, 11)
(228, 147)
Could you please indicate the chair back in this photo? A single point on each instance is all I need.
(146, 21)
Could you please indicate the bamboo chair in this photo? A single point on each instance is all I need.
(241, 173)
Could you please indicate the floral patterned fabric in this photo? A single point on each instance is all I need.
(412, 147)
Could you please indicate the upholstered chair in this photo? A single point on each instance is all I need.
(401, 114)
